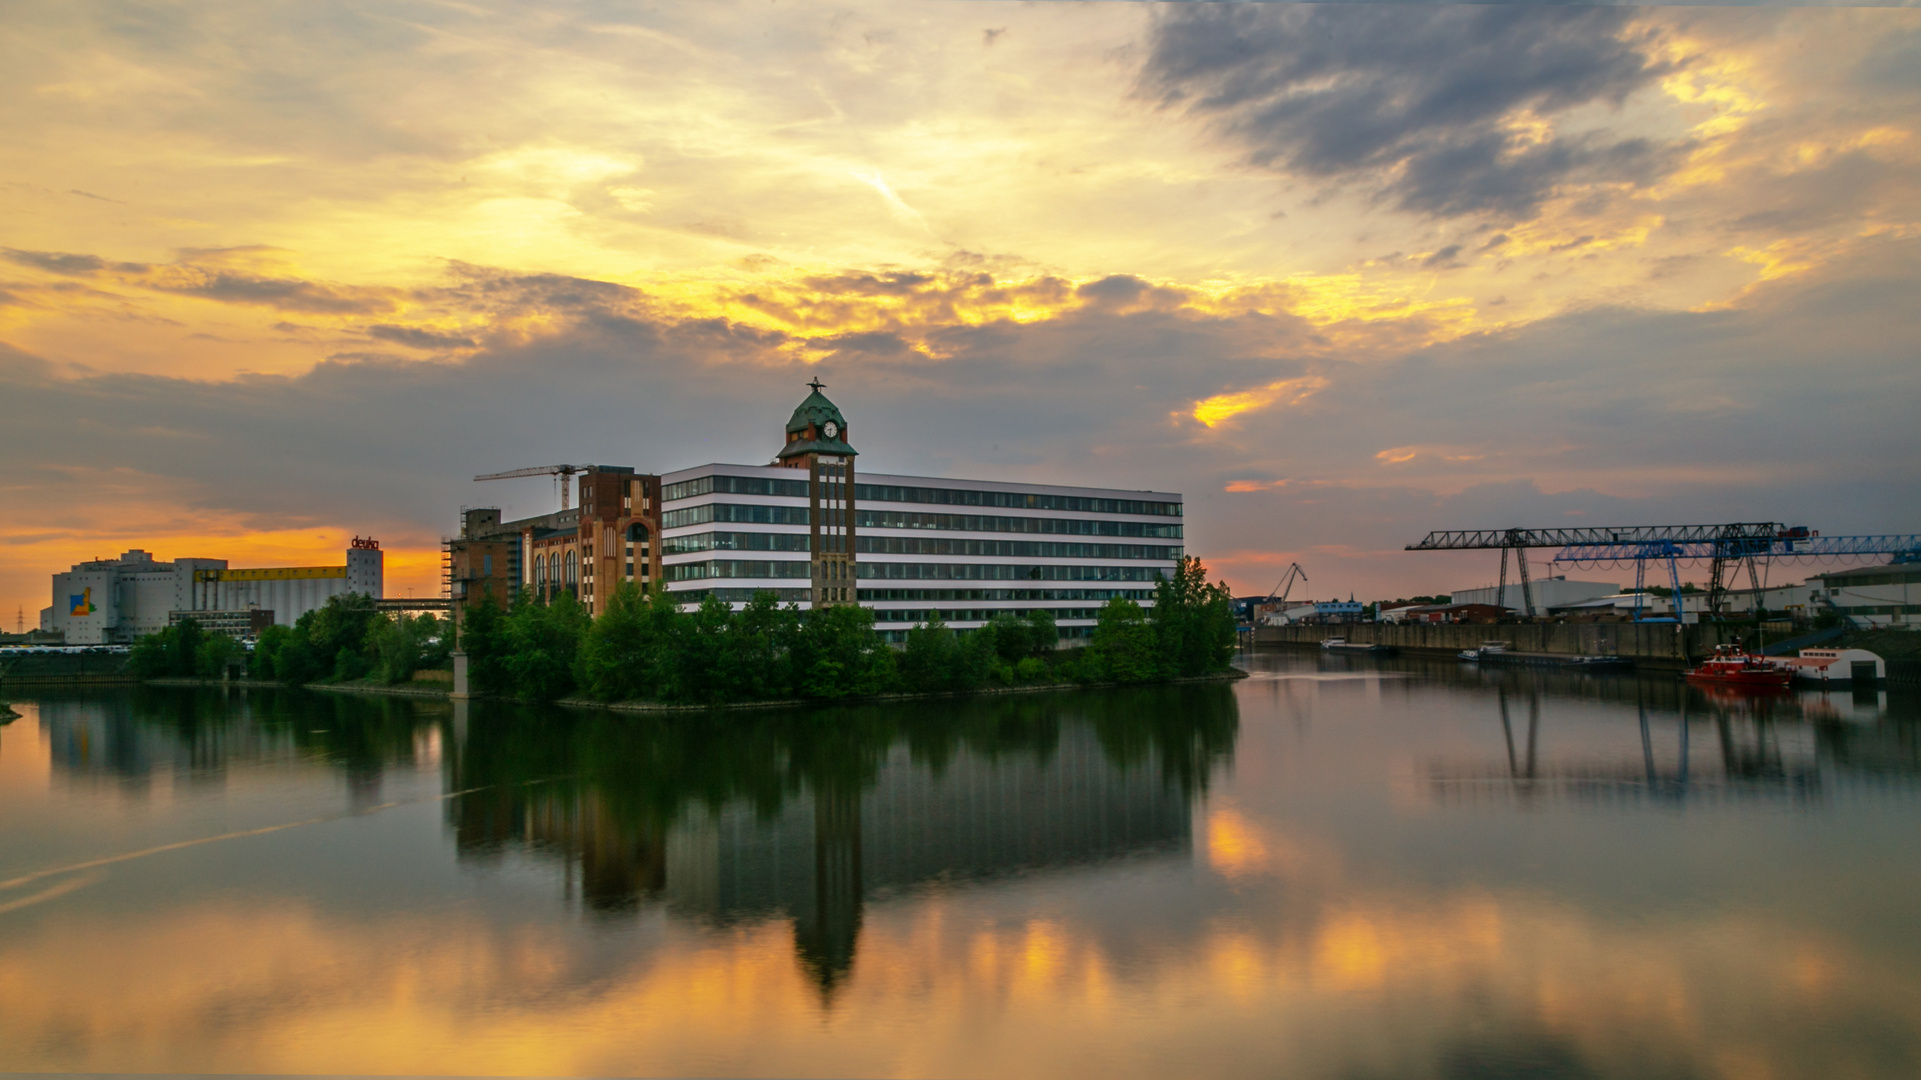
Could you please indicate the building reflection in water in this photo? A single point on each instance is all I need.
(132, 739)
(992, 792)
(1798, 747)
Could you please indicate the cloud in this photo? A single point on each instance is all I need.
(68, 263)
(279, 293)
(1444, 112)
(210, 275)
(1623, 413)
(1221, 408)
(414, 337)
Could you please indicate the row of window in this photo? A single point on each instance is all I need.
(868, 596)
(742, 596)
(733, 541)
(916, 519)
(1909, 577)
(1016, 549)
(982, 595)
(1013, 499)
(963, 572)
(865, 493)
(797, 568)
(734, 514)
(955, 615)
(733, 485)
(920, 545)
(864, 518)
(553, 569)
(1068, 633)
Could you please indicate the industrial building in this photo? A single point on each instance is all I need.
(1548, 593)
(113, 601)
(810, 530)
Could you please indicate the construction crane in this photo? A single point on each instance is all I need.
(562, 475)
(1285, 585)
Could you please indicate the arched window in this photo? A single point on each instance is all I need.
(573, 568)
(540, 572)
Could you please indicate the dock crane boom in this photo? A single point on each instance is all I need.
(1285, 585)
(560, 473)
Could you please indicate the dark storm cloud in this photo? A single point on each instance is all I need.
(1410, 101)
(415, 338)
(197, 273)
(484, 288)
(279, 293)
(69, 263)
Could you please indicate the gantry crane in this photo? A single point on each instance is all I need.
(562, 475)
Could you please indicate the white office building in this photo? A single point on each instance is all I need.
(912, 548)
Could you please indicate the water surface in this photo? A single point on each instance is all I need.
(1339, 867)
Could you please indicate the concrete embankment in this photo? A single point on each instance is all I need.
(1649, 645)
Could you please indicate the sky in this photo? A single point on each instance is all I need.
(276, 275)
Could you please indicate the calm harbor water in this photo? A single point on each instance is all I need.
(1339, 867)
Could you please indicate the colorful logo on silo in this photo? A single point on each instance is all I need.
(81, 604)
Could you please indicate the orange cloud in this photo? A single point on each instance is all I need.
(1220, 408)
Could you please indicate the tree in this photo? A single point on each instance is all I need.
(1012, 636)
(617, 657)
(543, 641)
(1123, 648)
(1042, 635)
(483, 637)
(928, 663)
(1193, 621)
(755, 663)
(183, 648)
(836, 654)
(149, 657)
(215, 653)
(266, 650)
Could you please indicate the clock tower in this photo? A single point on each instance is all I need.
(817, 442)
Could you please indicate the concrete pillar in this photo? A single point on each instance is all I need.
(461, 692)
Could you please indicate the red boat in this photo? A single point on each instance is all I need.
(1732, 667)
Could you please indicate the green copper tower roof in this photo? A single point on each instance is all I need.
(812, 417)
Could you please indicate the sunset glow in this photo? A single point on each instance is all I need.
(268, 278)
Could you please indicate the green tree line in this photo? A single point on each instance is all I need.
(342, 640)
(644, 647)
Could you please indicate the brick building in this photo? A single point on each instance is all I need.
(609, 537)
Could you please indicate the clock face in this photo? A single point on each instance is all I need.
(831, 430)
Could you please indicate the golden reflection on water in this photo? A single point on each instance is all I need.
(1118, 956)
(941, 986)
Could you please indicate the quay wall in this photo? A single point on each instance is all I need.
(1647, 644)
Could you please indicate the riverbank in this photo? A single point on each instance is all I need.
(442, 694)
(1229, 675)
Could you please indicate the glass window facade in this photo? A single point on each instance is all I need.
(921, 549)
